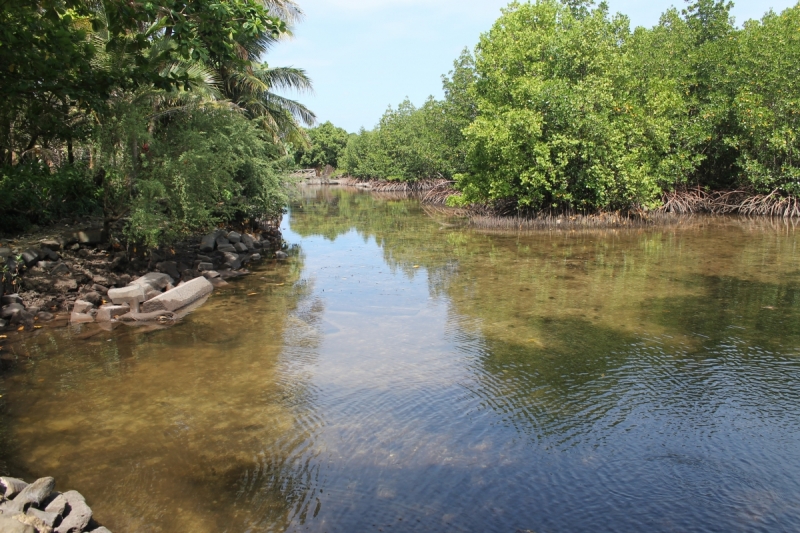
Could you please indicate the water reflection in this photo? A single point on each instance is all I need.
(404, 373)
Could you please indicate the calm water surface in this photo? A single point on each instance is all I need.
(400, 373)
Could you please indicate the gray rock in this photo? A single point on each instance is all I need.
(102, 289)
(240, 247)
(155, 280)
(6, 252)
(208, 243)
(25, 318)
(101, 529)
(59, 269)
(47, 518)
(202, 267)
(234, 237)
(75, 247)
(3, 323)
(80, 318)
(44, 316)
(257, 245)
(93, 298)
(65, 285)
(11, 299)
(255, 257)
(204, 258)
(10, 525)
(58, 505)
(12, 486)
(33, 494)
(47, 253)
(30, 257)
(170, 268)
(100, 280)
(78, 516)
(150, 293)
(227, 248)
(107, 313)
(132, 295)
(248, 241)
(82, 306)
(180, 296)
(210, 274)
(281, 255)
(187, 275)
(87, 236)
(10, 310)
(46, 265)
(222, 241)
(230, 258)
(51, 243)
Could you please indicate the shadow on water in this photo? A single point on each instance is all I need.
(404, 373)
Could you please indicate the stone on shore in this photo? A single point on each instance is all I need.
(87, 236)
(234, 237)
(32, 494)
(155, 280)
(80, 318)
(208, 243)
(107, 313)
(10, 310)
(180, 296)
(204, 267)
(10, 525)
(281, 255)
(47, 518)
(248, 241)
(12, 486)
(226, 248)
(79, 514)
(11, 299)
(30, 257)
(240, 247)
(82, 306)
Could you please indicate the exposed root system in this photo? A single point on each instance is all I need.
(740, 202)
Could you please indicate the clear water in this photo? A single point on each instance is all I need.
(401, 373)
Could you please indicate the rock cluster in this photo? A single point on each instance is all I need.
(75, 273)
(38, 508)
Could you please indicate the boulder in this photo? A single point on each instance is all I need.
(202, 267)
(11, 299)
(51, 243)
(57, 505)
(234, 237)
(59, 269)
(221, 240)
(30, 257)
(10, 525)
(180, 296)
(47, 253)
(47, 518)
(25, 318)
(65, 285)
(240, 247)
(93, 298)
(6, 252)
(281, 255)
(87, 236)
(170, 268)
(80, 318)
(44, 316)
(32, 494)
(210, 274)
(78, 516)
(230, 258)
(132, 295)
(208, 243)
(227, 248)
(102, 289)
(154, 280)
(248, 241)
(108, 312)
(255, 257)
(11, 486)
(3, 323)
(82, 306)
(10, 310)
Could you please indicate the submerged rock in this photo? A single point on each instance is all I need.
(180, 296)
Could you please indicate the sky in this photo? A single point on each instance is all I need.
(366, 55)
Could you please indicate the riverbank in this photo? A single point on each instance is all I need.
(45, 274)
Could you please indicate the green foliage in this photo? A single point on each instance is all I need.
(326, 144)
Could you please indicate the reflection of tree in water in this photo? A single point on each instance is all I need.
(574, 328)
(202, 427)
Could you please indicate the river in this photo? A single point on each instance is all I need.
(403, 373)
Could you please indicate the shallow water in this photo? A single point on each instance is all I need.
(401, 373)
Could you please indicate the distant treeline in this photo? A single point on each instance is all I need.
(563, 106)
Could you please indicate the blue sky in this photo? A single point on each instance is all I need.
(364, 55)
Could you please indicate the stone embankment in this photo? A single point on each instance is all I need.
(38, 508)
(97, 281)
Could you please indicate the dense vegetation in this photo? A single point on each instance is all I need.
(158, 113)
(563, 106)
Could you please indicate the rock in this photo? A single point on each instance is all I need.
(204, 258)
(248, 241)
(234, 237)
(82, 306)
(32, 494)
(44, 316)
(202, 267)
(10, 525)
(25, 318)
(222, 241)
(155, 280)
(3, 323)
(93, 298)
(30, 257)
(132, 295)
(10, 310)
(47, 518)
(65, 285)
(227, 248)
(78, 516)
(257, 245)
(87, 236)
(208, 243)
(230, 258)
(47, 253)
(100, 280)
(255, 257)
(57, 505)
(187, 275)
(51, 243)
(150, 293)
(109, 312)
(170, 268)
(218, 282)
(80, 318)
(101, 529)
(59, 269)
(240, 247)
(11, 486)
(11, 299)
(180, 296)
(75, 247)
(102, 289)
(210, 274)
(5, 252)
(281, 255)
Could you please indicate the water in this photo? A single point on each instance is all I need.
(401, 373)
